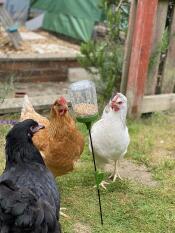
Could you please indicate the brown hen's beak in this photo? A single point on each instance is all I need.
(37, 128)
(62, 110)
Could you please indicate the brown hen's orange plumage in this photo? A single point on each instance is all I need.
(60, 143)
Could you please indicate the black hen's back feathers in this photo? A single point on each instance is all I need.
(29, 200)
(21, 211)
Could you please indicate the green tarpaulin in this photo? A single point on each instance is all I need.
(74, 18)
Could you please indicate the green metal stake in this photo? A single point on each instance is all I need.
(88, 125)
(87, 121)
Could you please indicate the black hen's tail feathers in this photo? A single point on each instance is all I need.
(20, 211)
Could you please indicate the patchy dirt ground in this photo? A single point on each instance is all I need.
(132, 171)
(81, 228)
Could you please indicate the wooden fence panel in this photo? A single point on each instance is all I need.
(141, 47)
(145, 33)
(157, 103)
(168, 79)
(128, 46)
(159, 28)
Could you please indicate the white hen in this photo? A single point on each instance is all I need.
(110, 134)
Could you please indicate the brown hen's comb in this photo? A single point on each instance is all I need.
(62, 101)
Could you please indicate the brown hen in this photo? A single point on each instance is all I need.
(60, 143)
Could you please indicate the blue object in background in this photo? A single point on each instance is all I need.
(18, 9)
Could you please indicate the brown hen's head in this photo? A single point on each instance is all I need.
(60, 107)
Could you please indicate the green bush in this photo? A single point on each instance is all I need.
(5, 88)
(107, 55)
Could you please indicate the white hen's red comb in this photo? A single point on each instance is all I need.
(115, 97)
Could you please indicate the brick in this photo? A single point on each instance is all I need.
(44, 78)
(36, 70)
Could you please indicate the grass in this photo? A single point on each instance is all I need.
(128, 207)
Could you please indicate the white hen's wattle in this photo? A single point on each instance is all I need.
(110, 136)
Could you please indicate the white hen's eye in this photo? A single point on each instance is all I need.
(120, 102)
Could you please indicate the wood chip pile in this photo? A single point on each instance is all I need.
(39, 42)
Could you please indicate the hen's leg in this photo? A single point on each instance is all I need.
(117, 170)
(115, 174)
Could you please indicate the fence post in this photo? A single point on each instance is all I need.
(159, 29)
(139, 59)
(128, 46)
(168, 79)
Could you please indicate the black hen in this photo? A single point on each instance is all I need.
(29, 200)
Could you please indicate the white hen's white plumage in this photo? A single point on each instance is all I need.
(110, 135)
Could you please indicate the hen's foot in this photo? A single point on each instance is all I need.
(102, 185)
(113, 177)
(115, 174)
(63, 214)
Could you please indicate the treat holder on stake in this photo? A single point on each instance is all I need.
(84, 103)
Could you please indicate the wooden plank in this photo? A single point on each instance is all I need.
(38, 57)
(14, 105)
(168, 79)
(141, 46)
(128, 46)
(159, 29)
(152, 103)
(157, 103)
